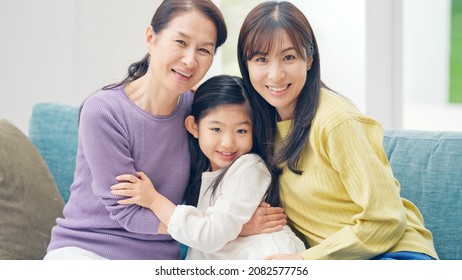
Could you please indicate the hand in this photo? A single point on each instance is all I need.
(284, 257)
(162, 229)
(266, 219)
(140, 190)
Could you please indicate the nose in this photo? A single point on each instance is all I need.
(276, 72)
(227, 140)
(189, 58)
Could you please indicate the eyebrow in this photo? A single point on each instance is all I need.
(288, 49)
(283, 51)
(241, 123)
(212, 44)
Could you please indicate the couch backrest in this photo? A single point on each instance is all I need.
(53, 130)
(428, 166)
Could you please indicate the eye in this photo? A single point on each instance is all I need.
(242, 131)
(204, 51)
(289, 57)
(215, 129)
(180, 42)
(260, 59)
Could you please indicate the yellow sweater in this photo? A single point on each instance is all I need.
(347, 202)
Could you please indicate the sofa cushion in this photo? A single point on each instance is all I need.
(53, 129)
(29, 199)
(428, 166)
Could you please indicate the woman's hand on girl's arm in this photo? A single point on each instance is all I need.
(141, 191)
(266, 219)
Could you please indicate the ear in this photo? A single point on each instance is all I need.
(150, 35)
(191, 126)
(309, 61)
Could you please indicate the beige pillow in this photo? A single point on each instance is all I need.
(29, 198)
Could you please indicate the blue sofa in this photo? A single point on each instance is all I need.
(428, 165)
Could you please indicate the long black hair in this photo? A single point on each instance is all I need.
(262, 25)
(218, 91)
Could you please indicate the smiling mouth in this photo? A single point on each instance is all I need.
(182, 74)
(225, 154)
(278, 89)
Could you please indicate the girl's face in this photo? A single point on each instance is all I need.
(224, 134)
(182, 53)
(280, 75)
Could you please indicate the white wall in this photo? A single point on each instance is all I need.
(391, 57)
(426, 42)
(339, 27)
(426, 47)
(62, 51)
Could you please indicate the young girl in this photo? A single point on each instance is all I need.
(228, 181)
(336, 186)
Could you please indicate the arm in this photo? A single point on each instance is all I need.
(242, 190)
(266, 219)
(104, 139)
(355, 151)
(140, 190)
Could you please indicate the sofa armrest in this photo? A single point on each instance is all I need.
(428, 165)
(53, 129)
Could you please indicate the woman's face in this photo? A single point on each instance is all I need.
(182, 53)
(280, 75)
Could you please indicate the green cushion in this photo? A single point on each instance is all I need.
(53, 129)
(29, 199)
(428, 166)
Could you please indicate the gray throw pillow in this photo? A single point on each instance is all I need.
(29, 198)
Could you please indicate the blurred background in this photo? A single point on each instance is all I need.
(400, 61)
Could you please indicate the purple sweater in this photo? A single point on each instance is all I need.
(117, 137)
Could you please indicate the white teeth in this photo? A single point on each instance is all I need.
(226, 154)
(182, 74)
(278, 88)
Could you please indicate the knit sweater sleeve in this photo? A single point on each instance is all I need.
(355, 150)
(105, 141)
(243, 188)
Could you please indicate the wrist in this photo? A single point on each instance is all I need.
(155, 199)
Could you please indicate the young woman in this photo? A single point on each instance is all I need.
(337, 187)
(228, 181)
(138, 124)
